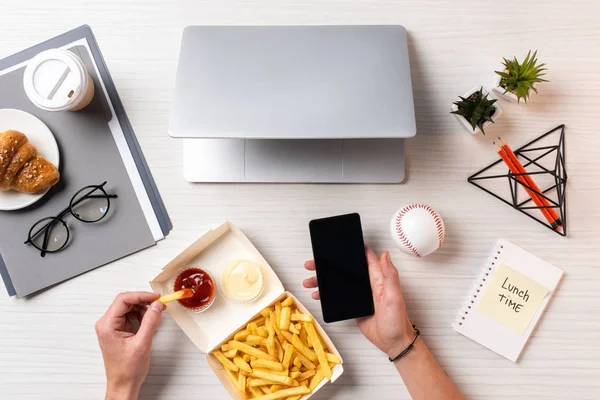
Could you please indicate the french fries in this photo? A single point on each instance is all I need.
(284, 318)
(285, 393)
(225, 361)
(321, 356)
(230, 354)
(279, 355)
(266, 364)
(182, 294)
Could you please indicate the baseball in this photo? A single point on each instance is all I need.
(417, 229)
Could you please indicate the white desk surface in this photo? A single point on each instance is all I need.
(48, 348)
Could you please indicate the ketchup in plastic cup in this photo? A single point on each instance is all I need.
(201, 283)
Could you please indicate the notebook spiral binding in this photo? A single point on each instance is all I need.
(477, 288)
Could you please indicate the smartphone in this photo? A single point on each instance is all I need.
(342, 270)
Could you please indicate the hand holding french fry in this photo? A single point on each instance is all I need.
(389, 328)
(288, 363)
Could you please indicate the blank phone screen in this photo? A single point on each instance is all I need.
(342, 271)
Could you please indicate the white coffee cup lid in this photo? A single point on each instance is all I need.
(55, 80)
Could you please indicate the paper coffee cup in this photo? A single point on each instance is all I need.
(57, 80)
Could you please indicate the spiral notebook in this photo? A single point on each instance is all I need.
(507, 300)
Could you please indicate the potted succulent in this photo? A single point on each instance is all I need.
(475, 110)
(518, 80)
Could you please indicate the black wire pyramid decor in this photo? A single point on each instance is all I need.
(545, 164)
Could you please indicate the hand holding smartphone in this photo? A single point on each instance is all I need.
(341, 266)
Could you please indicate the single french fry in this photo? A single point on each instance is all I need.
(284, 319)
(301, 317)
(232, 377)
(304, 338)
(275, 326)
(269, 326)
(295, 374)
(309, 341)
(321, 356)
(285, 393)
(305, 375)
(225, 347)
(296, 397)
(278, 349)
(258, 373)
(265, 312)
(287, 302)
(292, 328)
(316, 379)
(288, 336)
(256, 340)
(304, 361)
(231, 353)
(302, 349)
(265, 389)
(241, 335)
(262, 331)
(241, 383)
(266, 364)
(225, 361)
(179, 295)
(260, 321)
(276, 388)
(297, 362)
(244, 348)
(287, 357)
(253, 328)
(256, 392)
(277, 312)
(333, 358)
(256, 382)
(247, 358)
(304, 383)
(243, 365)
(271, 347)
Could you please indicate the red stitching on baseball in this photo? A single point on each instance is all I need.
(436, 219)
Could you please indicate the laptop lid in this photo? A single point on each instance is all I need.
(293, 82)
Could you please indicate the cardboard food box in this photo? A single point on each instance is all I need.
(214, 252)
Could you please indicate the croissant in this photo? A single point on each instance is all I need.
(21, 168)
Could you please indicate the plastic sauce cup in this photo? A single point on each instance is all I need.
(57, 80)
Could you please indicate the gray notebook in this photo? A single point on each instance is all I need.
(89, 155)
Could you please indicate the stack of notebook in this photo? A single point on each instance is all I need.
(96, 145)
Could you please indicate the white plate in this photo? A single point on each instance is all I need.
(41, 137)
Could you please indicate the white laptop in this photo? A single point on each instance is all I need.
(293, 103)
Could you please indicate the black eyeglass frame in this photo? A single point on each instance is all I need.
(69, 210)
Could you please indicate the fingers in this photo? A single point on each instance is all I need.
(310, 282)
(125, 302)
(387, 267)
(310, 265)
(150, 323)
(375, 274)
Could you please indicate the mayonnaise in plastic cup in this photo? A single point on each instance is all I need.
(242, 281)
(57, 80)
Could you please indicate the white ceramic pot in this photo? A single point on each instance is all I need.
(466, 123)
(499, 91)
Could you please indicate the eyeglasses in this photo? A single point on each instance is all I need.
(89, 205)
